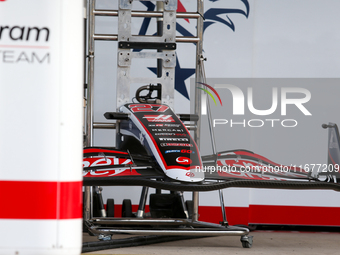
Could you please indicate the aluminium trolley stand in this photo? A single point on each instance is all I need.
(165, 44)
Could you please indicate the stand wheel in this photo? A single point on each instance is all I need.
(247, 241)
(246, 244)
(110, 207)
(127, 208)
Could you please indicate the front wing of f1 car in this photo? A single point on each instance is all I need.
(156, 150)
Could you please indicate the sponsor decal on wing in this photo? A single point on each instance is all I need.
(184, 160)
(159, 118)
(177, 144)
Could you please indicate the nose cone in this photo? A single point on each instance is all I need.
(192, 175)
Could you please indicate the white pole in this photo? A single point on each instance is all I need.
(41, 93)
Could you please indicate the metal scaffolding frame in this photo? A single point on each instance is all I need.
(167, 11)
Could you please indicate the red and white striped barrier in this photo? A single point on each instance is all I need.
(41, 88)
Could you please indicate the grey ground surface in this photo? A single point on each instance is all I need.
(265, 242)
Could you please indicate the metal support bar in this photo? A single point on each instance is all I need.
(138, 221)
(105, 37)
(85, 68)
(142, 202)
(188, 39)
(147, 14)
(157, 222)
(90, 73)
(104, 125)
(198, 78)
(98, 191)
(185, 209)
(198, 75)
(174, 232)
(114, 37)
(224, 215)
(195, 200)
(88, 211)
(160, 8)
(191, 127)
(214, 152)
(87, 203)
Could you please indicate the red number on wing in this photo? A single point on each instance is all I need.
(162, 108)
(148, 108)
(141, 108)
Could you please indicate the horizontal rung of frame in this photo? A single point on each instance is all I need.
(187, 39)
(169, 57)
(147, 14)
(114, 37)
(147, 45)
(191, 127)
(104, 37)
(173, 232)
(104, 125)
(161, 221)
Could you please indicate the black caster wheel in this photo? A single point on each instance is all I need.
(246, 244)
(247, 241)
(110, 207)
(127, 208)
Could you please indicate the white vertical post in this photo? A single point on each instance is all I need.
(41, 93)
